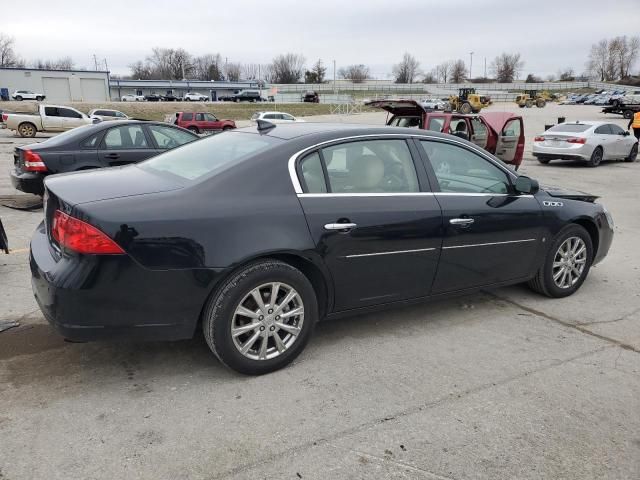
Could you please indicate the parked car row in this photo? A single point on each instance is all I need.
(242, 96)
(603, 97)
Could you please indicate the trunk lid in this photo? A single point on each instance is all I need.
(398, 107)
(107, 183)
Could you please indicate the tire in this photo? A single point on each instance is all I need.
(596, 157)
(27, 129)
(540, 103)
(628, 114)
(616, 103)
(544, 161)
(39, 98)
(521, 105)
(633, 154)
(219, 317)
(194, 129)
(465, 108)
(18, 98)
(544, 282)
(187, 99)
(529, 103)
(224, 129)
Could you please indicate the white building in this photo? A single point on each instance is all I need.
(58, 85)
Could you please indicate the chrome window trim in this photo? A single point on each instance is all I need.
(293, 159)
(490, 243)
(389, 253)
(408, 194)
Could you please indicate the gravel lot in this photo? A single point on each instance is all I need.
(504, 384)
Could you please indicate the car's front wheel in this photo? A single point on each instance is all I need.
(633, 154)
(261, 318)
(566, 265)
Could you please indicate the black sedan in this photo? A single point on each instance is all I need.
(104, 144)
(254, 235)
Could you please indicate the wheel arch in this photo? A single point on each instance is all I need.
(590, 226)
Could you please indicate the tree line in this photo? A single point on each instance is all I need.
(609, 60)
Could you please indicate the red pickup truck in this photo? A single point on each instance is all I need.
(499, 133)
(201, 122)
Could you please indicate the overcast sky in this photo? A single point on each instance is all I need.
(548, 34)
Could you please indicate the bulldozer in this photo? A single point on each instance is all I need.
(468, 101)
(532, 97)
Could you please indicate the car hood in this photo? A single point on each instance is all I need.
(569, 194)
(107, 183)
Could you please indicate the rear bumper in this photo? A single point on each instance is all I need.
(577, 152)
(87, 297)
(28, 182)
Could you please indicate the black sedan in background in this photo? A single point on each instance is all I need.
(255, 234)
(104, 144)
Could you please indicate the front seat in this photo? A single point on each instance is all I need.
(461, 131)
(366, 173)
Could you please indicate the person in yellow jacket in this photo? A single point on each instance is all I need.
(635, 124)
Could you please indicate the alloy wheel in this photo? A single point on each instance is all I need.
(267, 321)
(569, 262)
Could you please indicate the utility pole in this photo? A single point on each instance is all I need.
(485, 67)
(106, 67)
(95, 61)
(334, 78)
(470, 64)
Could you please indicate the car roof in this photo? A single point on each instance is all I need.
(272, 111)
(297, 130)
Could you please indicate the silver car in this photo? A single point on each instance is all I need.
(591, 142)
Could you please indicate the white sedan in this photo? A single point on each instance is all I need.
(433, 103)
(130, 97)
(275, 117)
(591, 142)
(107, 114)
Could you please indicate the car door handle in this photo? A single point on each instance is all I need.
(340, 226)
(113, 156)
(461, 221)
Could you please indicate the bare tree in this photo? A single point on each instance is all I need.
(232, 71)
(316, 74)
(598, 60)
(140, 71)
(531, 78)
(355, 73)
(8, 57)
(64, 63)
(458, 71)
(506, 67)
(169, 63)
(443, 71)
(288, 68)
(566, 75)
(407, 70)
(251, 71)
(430, 77)
(208, 67)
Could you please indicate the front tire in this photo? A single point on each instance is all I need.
(596, 157)
(566, 264)
(633, 154)
(465, 108)
(544, 161)
(261, 318)
(18, 98)
(540, 103)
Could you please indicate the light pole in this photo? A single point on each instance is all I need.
(470, 64)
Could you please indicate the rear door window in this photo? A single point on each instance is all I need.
(68, 113)
(603, 130)
(187, 117)
(372, 166)
(125, 138)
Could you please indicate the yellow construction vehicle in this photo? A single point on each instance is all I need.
(532, 97)
(468, 101)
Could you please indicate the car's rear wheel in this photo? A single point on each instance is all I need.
(18, 98)
(566, 265)
(633, 154)
(628, 114)
(544, 161)
(27, 129)
(194, 129)
(596, 157)
(261, 318)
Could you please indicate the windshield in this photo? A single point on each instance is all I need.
(210, 155)
(570, 127)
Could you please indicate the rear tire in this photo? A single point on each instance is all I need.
(628, 114)
(633, 154)
(194, 129)
(544, 282)
(596, 157)
(544, 161)
(27, 129)
(18, 98)
(39, 98)
(221, 315)
(465, 108)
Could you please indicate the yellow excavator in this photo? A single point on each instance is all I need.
(468, 101)
(532, 97)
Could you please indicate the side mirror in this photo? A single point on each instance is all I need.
(626, 133)
(526, 185)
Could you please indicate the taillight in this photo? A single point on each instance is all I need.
(81, 237)
(33, 162)
(538, 139)
(576, 140)
(4, 117)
